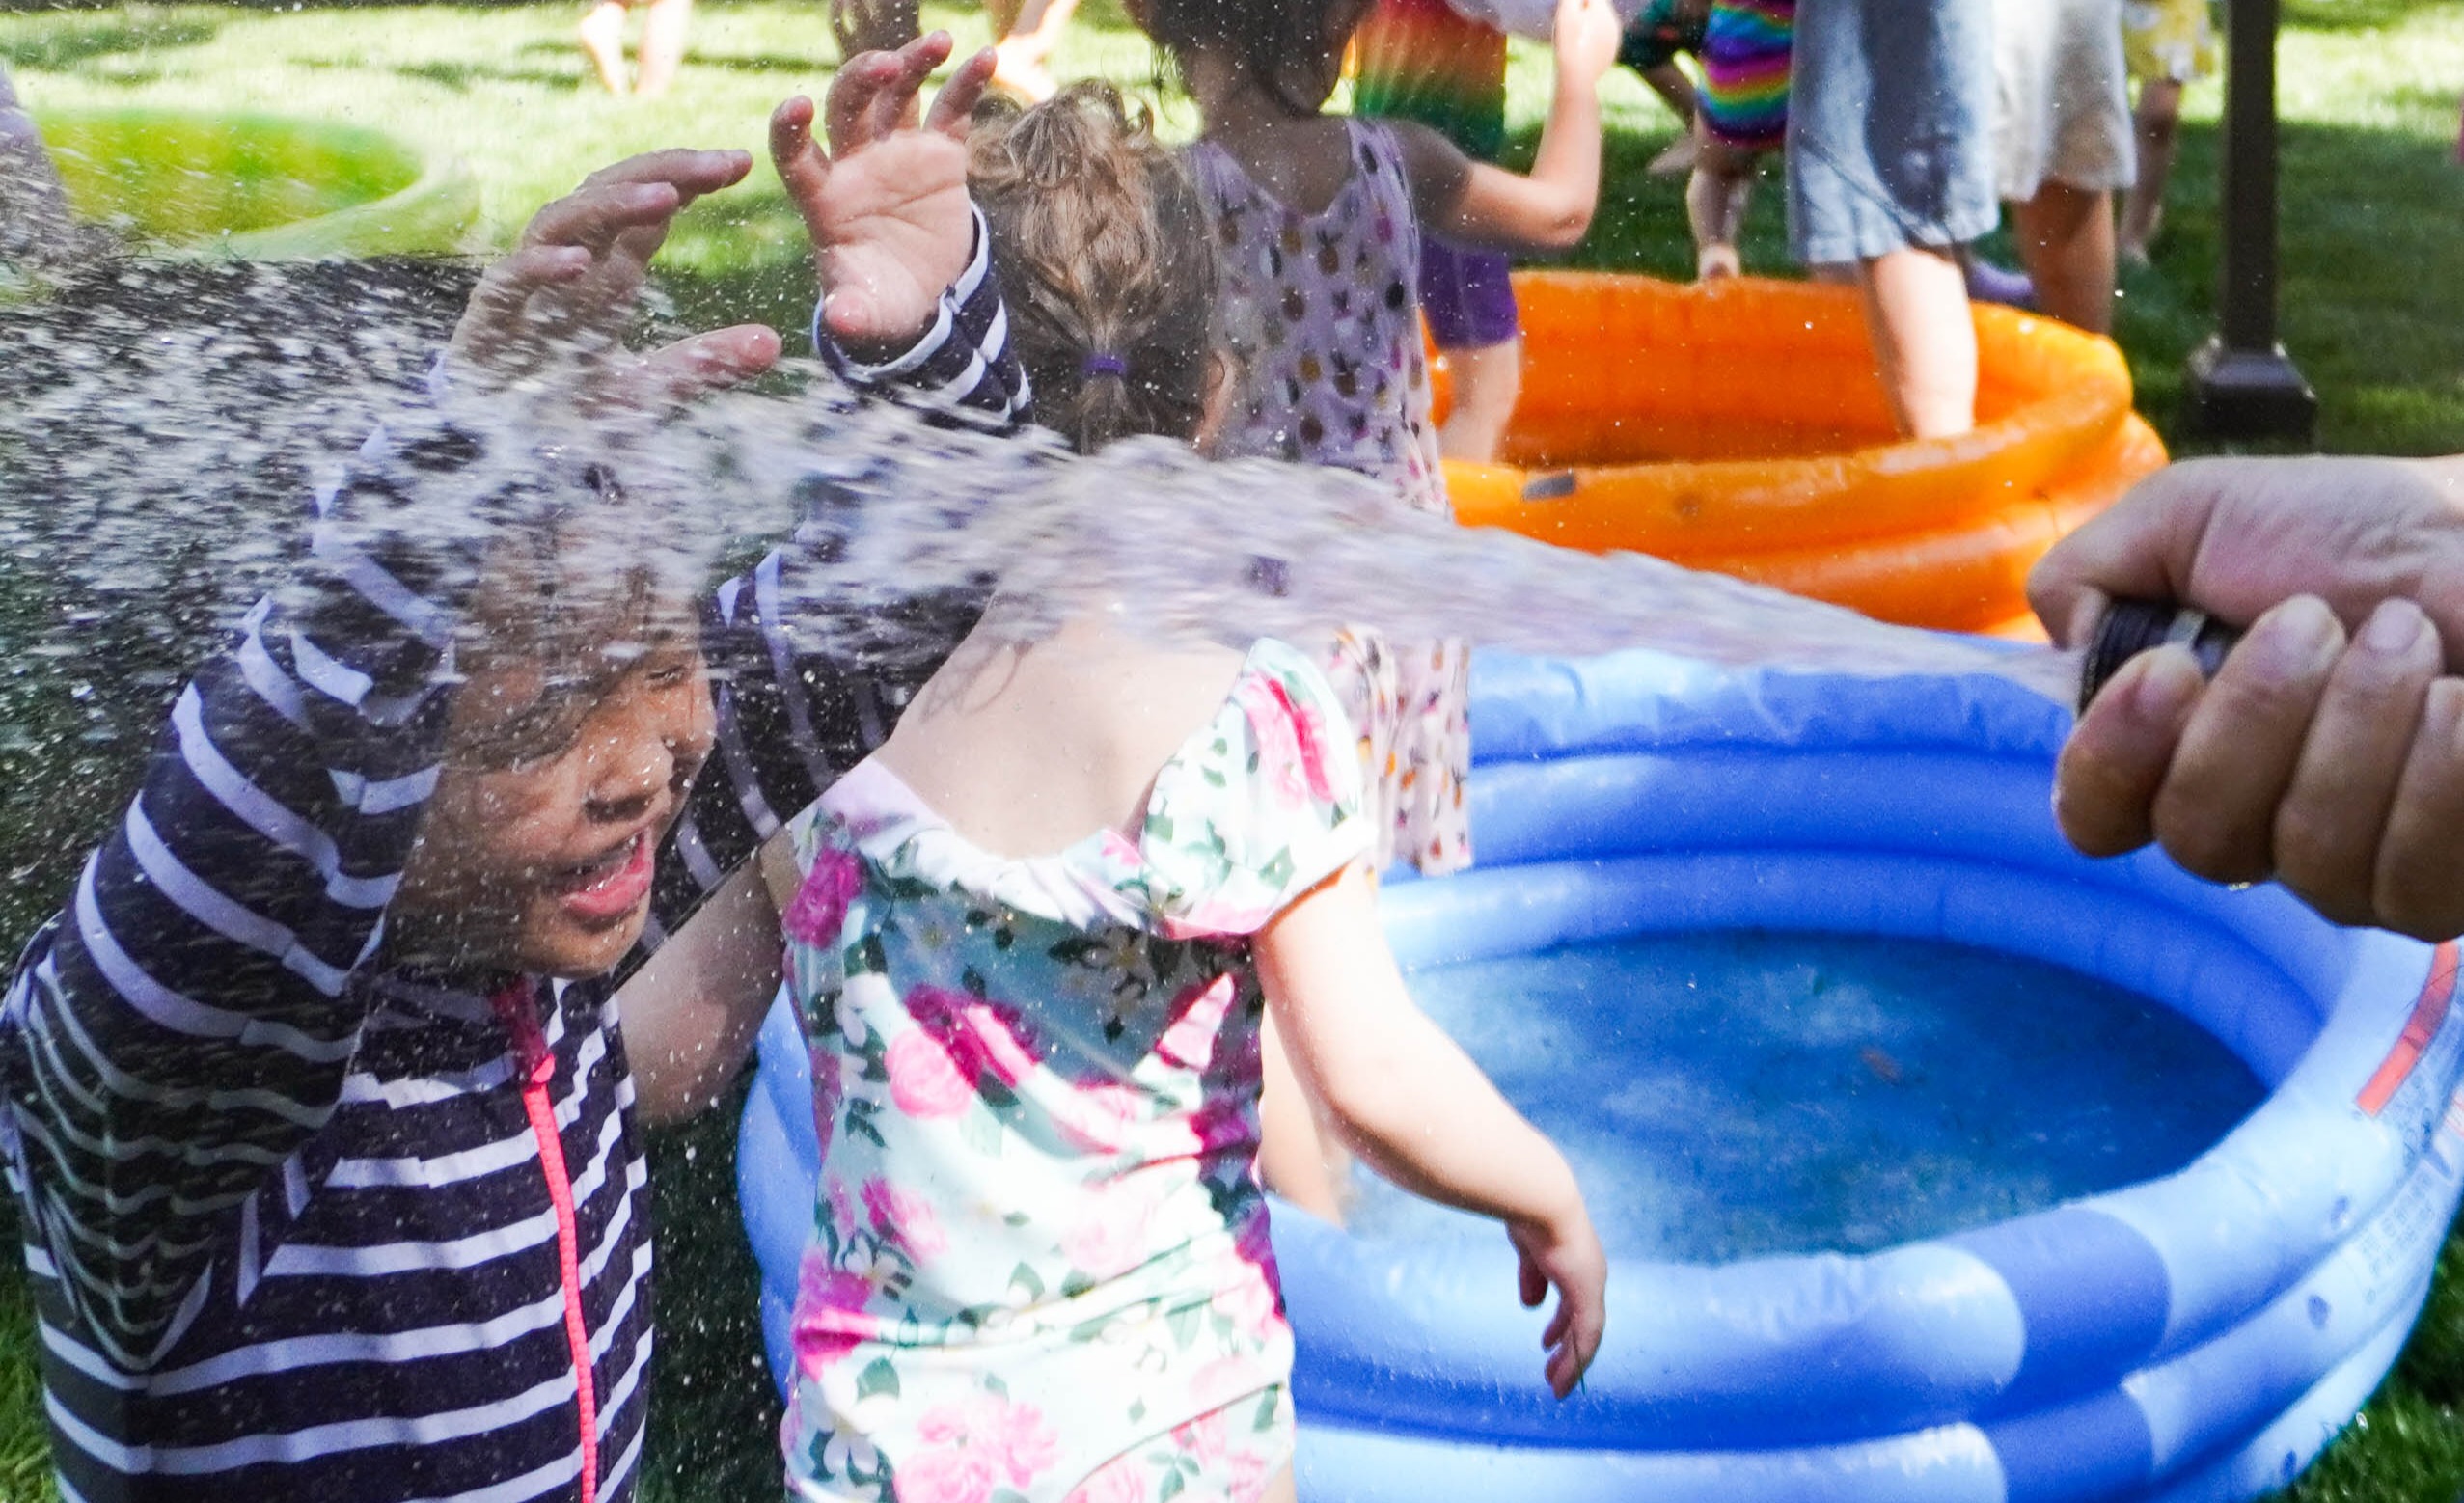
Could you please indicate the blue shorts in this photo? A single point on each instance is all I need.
(1467, 296)
(1890, 127)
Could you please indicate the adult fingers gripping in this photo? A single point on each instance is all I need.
(2419, 885)
(2327, 830)
(2216, 811)
(2112, 766)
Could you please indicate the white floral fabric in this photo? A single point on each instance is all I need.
(1040, 1267)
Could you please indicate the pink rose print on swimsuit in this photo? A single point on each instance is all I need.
(1249, 1291)
(1290, 740)
(979, 1036)
(1197, 1023)
(818, 910)
(1224, 1125)
(1205, 1437)
(945, 1476)
(828, 1090)
(923, 1080)
(975, 1445)
(1110, 1235)
(829, 1319)
(1249, 1478)
(1116, 1481)
(908, 1220)
(1100, 1119)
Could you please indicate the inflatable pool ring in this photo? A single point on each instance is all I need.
(1739, 426)
(2199, 1335)
(258, 188)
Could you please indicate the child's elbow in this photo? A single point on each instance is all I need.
(1566, 228)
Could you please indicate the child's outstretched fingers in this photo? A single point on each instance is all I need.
(954, 107)
(1566, 1253)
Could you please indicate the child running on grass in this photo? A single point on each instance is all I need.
(1031, 941)
(1321, 220)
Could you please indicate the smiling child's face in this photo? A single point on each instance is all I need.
(558, 781)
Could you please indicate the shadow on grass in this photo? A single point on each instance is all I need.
(460, 76)
(75, 43)
(2353, 14)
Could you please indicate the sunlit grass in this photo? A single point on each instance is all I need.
(2373, 312)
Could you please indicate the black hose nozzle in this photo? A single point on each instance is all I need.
(2131, 627)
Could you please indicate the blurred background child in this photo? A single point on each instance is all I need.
(1747, 46)
(2168, 45)
(661, 53)
(1423, 61)
(1321, 221)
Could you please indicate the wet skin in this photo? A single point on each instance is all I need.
(536, 853)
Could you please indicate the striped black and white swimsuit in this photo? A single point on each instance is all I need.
(303, 1228)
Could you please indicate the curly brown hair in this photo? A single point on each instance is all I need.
(1107, 263)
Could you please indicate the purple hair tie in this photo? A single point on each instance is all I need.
(1106, 366)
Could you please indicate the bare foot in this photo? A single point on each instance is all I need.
(1717, 264)
(602, 32)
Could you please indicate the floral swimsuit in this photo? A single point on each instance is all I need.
(1040, 1267)
(1323, 317)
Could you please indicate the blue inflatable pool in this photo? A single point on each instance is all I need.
(2199, 1335)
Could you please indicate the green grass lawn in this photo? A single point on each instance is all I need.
(2375, 313)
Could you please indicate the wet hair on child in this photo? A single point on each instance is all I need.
(1108, 264)
(1287, 44)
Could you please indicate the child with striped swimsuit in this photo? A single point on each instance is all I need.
(1747, 46)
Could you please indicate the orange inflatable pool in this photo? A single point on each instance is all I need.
(1739, 426)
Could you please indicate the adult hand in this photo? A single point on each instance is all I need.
(2328, 752)
(555, 309)
(885, 202)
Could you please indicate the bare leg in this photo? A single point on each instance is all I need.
(2159, 121)
(1295, 1158)
(1487, 383)
(603, 42)
(1677, 91)
(662, 50)
(2065, 241)
(1281, 1489)
(1715, 200)
(1925, 342)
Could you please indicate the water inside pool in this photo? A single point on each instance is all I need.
(1731, 1095)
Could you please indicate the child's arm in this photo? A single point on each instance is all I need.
(792, 717)
(692, 1013)
(1412, 1104)
(186, 1024)
(1475, 204)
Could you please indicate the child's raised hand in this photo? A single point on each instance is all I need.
(885, 202)
(1588, 33)
(1565, 1252)
(557, 306)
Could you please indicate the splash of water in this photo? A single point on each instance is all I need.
(150, 449)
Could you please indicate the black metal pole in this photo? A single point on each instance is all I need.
(2242, 384)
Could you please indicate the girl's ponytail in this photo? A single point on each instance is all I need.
(1107, 262)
